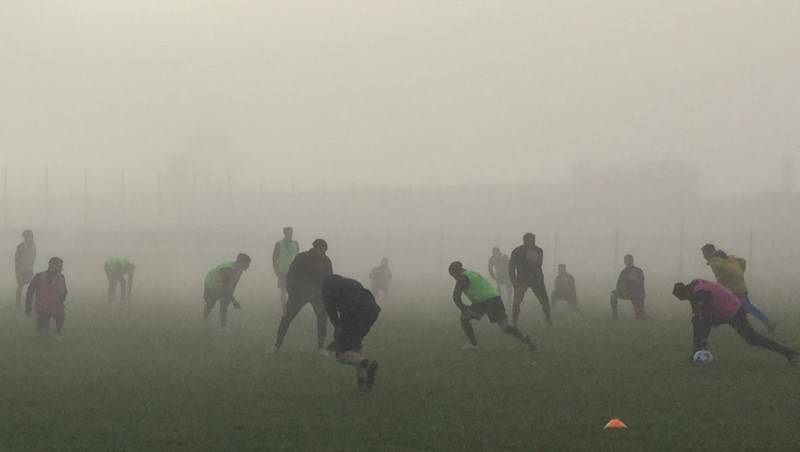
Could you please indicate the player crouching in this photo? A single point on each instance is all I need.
(713, 304)
(352, 311)
(485, 301)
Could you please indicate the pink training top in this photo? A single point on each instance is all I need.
(49, 292)
(723, 304)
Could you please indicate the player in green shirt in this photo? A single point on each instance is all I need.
(24, 260)
(117, 268)
(484, 301)
(283, 254)
(219, 285)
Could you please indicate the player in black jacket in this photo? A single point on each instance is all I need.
(352, 311)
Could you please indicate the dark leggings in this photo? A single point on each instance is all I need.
(293, 307)
(742, 326)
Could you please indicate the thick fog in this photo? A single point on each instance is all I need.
(179, 133)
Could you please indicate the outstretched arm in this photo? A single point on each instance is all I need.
(275, 254)
(461, 284)
(512, 269)
(29, 294)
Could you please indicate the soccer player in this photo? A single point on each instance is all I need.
(352, 310)
(630, 286)
(484, 301)
(49, 289)
(303, 283)
(24, 260)
(713, 304)
(525, 271)
(117, 269)
(283, 254)
(565, 289)
(379, 278)
(219, 285)
(729, 271)
(498, 270)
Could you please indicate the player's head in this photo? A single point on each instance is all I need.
(319, 246)
(562, 268)
(680, 291)
(288, 231)
(495, 251)
(455, 269)
(385, 262)
(27, 235)
(529, 238)
(708, 250)
(55, 265)
(628, 260)
(130, 268)
(243, 261)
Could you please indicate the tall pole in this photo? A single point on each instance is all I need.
(46, 197)
(680, 257)
(5, 198)
(85, 199)
(555, 252)
(123, 200)
(158, 204)
(194, 199)
(616, 251)
(750, 255)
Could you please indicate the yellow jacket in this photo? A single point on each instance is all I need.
(729, 272)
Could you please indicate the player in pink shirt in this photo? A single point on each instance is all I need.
(49, 290)
(713, 304)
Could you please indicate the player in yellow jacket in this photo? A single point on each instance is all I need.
(729, 271)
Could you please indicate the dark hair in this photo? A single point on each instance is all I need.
(55, 260)
(243, 258)
(528, 235)
(628, 256)
(287, 229)
(319, 243)
(680, 291)
(708, 248)
(455, 268)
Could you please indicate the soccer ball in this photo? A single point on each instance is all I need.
(703, 356)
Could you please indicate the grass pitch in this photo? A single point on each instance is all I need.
(151, 376)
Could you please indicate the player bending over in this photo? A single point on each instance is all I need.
(352, 310)
(484, 301)
(117, 268)
(49, 288)
(219, 285)
(713, 304)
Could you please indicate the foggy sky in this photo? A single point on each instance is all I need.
(401, 92)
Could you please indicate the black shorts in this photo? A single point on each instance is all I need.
(354, 328)
(493, 308)
(209, 295)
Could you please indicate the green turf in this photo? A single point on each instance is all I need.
(152, 377)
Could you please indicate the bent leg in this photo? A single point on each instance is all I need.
(59, 315)
(468, 331)
(541, 294)
(746, 331)
(614, 303)
(293, 306)
(754, 311)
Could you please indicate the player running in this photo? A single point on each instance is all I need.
(49, 290)
(498, 271)
(352, 310)
(525, 271)
(565, 289)
(379, 278)
(484, 301)
(303, 283)
(713, 304)
(219, 285)
(24, 260)
(117, 269)
(283, 254)
(729, 271)
(630, 286)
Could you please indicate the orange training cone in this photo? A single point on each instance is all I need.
(615, 423)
